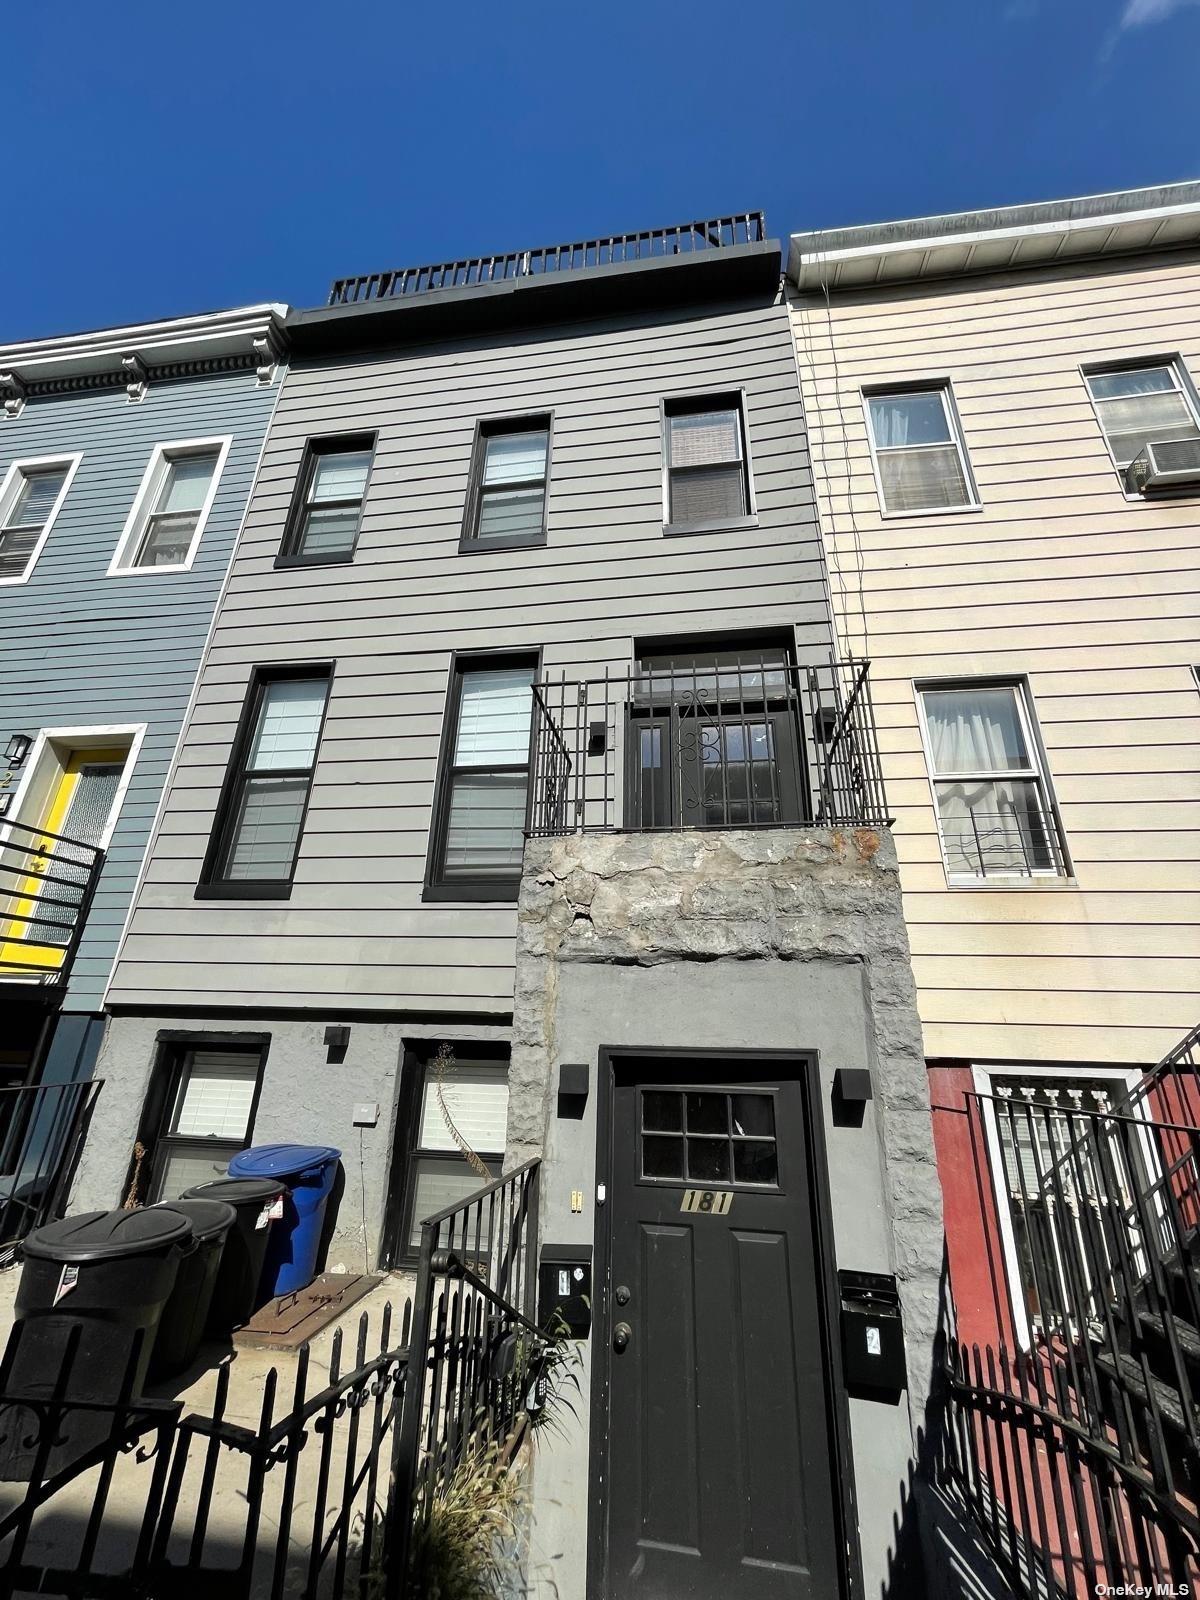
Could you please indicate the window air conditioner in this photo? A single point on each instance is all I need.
(1169, 464)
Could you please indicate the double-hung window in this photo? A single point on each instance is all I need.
(479, 832)
(326, 513)
(917, 445)
(171, 508)
(1142, 405)
(257, 835)
(30, 497)
(207, 1117)
(995, 813)
(506, 500)
(471, 1094)
(707, 470)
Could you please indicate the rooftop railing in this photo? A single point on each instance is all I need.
(684, 238)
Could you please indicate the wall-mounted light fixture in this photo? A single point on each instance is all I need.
(6, 800)
(17, 749)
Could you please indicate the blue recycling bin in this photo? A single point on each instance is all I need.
(308, 1171)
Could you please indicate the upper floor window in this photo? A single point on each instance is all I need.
(1142, 405)
(479, 826)
(172, 506)
(917, 447)
(256, 838)
(326, 514)
(506, 497)
(30, 497)
(995, 813)
(707, 472)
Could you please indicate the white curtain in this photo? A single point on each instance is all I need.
(990, 824)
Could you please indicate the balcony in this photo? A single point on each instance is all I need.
(621, 249)
(47, 881)
(719, 742)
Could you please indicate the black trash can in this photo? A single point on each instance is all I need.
(181, 1327)
(235, 1293)
(103, 1279)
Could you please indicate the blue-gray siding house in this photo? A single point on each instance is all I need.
(126, 462)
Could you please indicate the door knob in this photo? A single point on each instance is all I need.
(621, 1335)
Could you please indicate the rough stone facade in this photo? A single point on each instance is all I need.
(794, 895)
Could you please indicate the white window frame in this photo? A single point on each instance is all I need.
(49, 742)
(1101, 369)
(983, 1080)
(160, 458)
(10, 488)
(944, 387)
(1039, 771)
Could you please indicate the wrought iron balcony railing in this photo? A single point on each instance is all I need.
(720, 743)
(46, 886)
(684, 238)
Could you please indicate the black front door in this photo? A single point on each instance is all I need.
(719, 1471)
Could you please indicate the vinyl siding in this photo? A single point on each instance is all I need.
(355, 932)
(78, 648)
(1060, 579)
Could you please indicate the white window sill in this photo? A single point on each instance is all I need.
(968, 509)
(147, 572)
(1016, 881)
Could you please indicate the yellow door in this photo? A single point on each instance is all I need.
(78, 809)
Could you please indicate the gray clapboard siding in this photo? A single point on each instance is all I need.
(78, 648)
(355, 932)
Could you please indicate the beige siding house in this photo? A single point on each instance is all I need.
(973, 385)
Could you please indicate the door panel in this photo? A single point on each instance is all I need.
(719, 1469)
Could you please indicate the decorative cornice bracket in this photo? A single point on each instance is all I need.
(14, 400)
(267, 350)
(139, 377)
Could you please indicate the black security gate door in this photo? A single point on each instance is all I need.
(719, 1462)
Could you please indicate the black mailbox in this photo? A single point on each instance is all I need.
(872, 1332)
(565, 1289)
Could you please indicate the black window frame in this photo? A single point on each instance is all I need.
(486, 428)
(407, 1153)
(493, 887)
(691, 405)
(171, 1049)
(211, 886)
(318, 445)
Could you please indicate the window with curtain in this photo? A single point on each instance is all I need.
(257, 837)
(994, 811)
(207, 1118)
(506, 502)
(30, 501)
(171, 511)
(1142, 405)
(327, 511)
(707, 480)
(480, 836)
(920, 460)
(475, 1097)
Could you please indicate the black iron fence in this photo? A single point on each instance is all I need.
(318, 1482)
(1076, 1436)
(712, 744)
(685, 238)
(47, 881)
(42, 1127)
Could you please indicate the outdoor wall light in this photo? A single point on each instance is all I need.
(17, 749)
(6, 799)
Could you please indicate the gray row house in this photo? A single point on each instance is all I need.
(521, 781)
(126, 460)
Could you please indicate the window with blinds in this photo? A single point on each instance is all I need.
(326, 514)
(480, 836)
(706, 470)
(506, 500)
(474, 1098)
(257, 836)
(30, 502)
(208, 1117)
(920, 459)
(169, 515)
(1142, 405)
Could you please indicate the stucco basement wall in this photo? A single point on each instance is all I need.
(787, 939)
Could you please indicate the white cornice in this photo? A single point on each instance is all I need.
(997, 240)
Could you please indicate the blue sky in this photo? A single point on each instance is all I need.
(169, 158)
